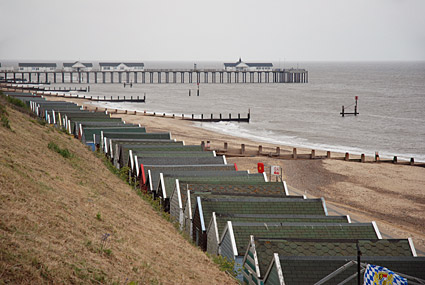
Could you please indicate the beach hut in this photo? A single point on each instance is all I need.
(219, 220)
(235, 237)
(214, 184)
(312, 269)
(151, 173)
(260, 203)
(261, 251)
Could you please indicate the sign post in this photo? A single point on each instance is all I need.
(275, 170)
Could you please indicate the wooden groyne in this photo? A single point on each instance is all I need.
(199, 118)
(220, 118)
(245, 150)
(64, 94)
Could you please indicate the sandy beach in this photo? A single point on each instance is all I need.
(392, 195)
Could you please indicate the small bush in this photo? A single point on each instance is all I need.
(4, 117)
(64, 152)
(5, 121)
(224, 264)
(99, 216)
(16, 102)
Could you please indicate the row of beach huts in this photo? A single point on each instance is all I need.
(272, 237)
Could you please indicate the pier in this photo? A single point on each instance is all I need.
(157, 76)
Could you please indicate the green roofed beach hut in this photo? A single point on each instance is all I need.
(236, 236)
(312, 269)
(260, 252)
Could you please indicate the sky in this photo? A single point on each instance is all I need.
(214, 30)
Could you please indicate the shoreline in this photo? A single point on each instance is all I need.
(390, 194)
(246, 134)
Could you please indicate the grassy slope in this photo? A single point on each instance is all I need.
(55, 210)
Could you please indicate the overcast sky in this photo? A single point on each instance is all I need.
(222, 30)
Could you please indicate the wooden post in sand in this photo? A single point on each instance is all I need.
(278, 151)
(347, 156)
(328, 154)
(412, 161)
(313, 154)
(395, 159)
(294, 153)
(260, 149)
(362, 158)
(225, 146)
(242, 148)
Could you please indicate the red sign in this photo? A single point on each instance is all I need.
(260, 167)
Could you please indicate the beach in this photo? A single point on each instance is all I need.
(391, 195)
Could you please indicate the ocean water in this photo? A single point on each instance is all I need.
(391, 106)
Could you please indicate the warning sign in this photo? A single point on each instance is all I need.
(275, 170)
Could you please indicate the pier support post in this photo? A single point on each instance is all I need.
(294, 153)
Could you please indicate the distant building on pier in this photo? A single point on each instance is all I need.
(37, 66)
(248, 66)
(77, 66)
(121, 66)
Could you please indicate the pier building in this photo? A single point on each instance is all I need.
(123, 66)
(37, 66)
(77, 66)
(248, 66)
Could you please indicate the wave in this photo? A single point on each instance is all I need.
(266, 136)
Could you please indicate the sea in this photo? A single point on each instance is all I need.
(391, 106)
